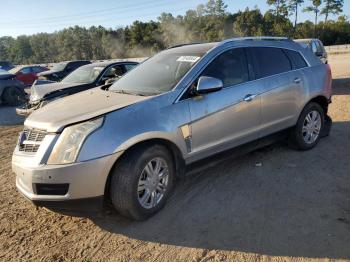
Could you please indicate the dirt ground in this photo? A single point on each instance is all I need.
(295, 206)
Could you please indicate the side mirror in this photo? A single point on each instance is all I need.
(318, 53)
(207, 84)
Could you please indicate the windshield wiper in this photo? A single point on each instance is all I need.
(126, 92)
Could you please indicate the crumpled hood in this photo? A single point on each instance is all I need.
(48, 72)
(79, 107)
(39, 91)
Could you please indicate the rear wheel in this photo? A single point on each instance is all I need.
(307, 132)
(13, 96)
(142, 181)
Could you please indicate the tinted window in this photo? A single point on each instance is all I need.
(270, 61)
(231, 67)
(296, 58)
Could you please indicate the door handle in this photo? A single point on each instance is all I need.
(249, 97)
(297, 80)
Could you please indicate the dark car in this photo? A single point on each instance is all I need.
(28, 74)
(11, 90)
(85, 77)
(61, 70)
(316, 46)
(6, 65)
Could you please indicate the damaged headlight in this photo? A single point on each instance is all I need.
(34, 98)
(68, 145)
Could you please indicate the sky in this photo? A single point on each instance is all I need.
(26, 17)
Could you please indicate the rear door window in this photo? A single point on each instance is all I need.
(270, 61)
(231, 67)
(296, 58)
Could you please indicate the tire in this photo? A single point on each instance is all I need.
(299, 137)
(129, 177)
(13, 96)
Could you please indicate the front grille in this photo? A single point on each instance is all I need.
(29, 148)
(35, 135)
(30, 140)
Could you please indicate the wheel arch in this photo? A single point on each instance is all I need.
(322, 101)
(175, 151)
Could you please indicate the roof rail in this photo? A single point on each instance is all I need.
(179, 45)
(258, 38)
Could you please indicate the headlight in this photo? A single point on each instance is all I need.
(68, 145)
(34, 98)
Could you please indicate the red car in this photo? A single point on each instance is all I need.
(27, 74)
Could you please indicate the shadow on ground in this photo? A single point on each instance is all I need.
(341, 86)
(296, 204)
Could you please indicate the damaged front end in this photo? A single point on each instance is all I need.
(28, 108)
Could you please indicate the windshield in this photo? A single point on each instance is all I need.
(14, 70)
(83, 75)
(59, 67)
(158, 74)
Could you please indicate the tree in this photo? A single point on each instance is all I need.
(293, 8)
(208, 22)
(332, 7)
(215, 8)
(280, 7)
(249, 23)
(314, 8)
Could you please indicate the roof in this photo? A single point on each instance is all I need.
(204, 47)
(192, 47)
(305, 40)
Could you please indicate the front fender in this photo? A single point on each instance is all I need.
(150, 119)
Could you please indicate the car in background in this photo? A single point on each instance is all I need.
(11, 90)
(83, 78)
(128, 143)
(6, 65)
(61, 70)
(28, 74)
(316, 46)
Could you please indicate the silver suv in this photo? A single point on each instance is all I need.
(128, 143)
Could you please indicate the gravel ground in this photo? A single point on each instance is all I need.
(294, 206)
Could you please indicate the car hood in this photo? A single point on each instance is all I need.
(39, 91)
(79, 107)
(7, 76)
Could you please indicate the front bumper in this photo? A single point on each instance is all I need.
(82, 180)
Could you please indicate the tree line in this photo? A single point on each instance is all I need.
(208, 22)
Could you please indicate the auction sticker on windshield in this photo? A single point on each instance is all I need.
(190, 59)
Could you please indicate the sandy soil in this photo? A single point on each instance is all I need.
(294, 207)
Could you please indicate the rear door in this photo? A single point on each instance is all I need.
(231, 116)
(281, 88)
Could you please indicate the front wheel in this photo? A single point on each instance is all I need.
(142, 181)
(307, 131)
(13, 96)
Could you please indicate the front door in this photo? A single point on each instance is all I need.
(228, 117)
